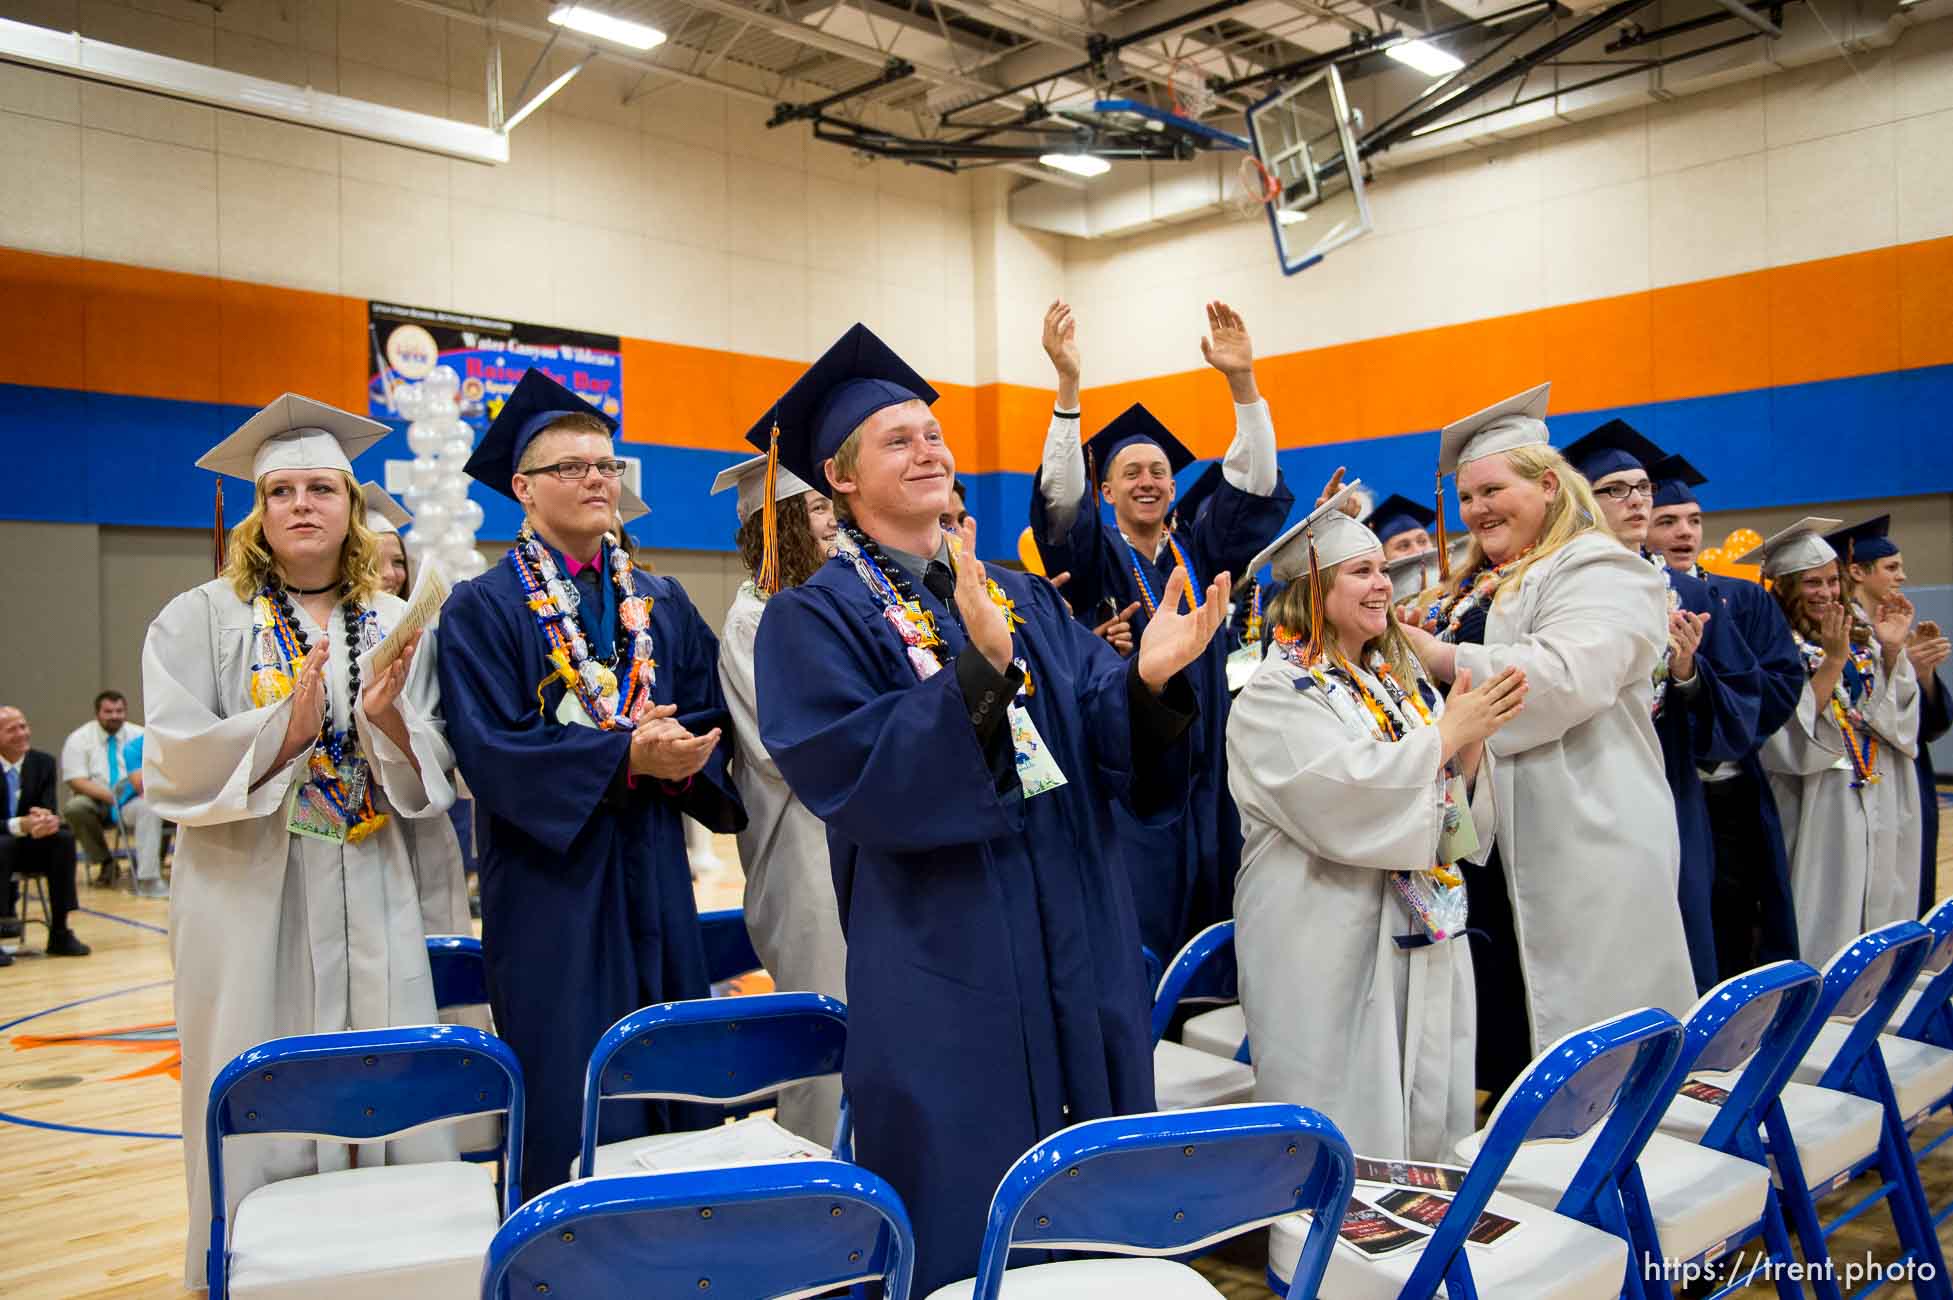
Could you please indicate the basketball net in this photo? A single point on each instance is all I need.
(1187, 89)
(1255, 187)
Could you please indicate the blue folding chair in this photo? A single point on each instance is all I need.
(1692, 1200)
(421, 1226)
(1184, 1076)
(1918, 1048)
(460, 985)
(1608, 1077)
(1839, 1117)
(728, 947)
(1161, 1185)
(747, 1233)
(714, 1050)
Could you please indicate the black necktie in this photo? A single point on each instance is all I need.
(940, 581)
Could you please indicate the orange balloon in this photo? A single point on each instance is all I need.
(1027, 553)
(1741, 542)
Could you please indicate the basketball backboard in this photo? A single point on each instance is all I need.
(1304, 144)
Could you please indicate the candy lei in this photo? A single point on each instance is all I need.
(337, 784)
(1473, 590)
(1660, 673)
(1251, 634)
(1854, 683)
(1146, 596)
(889, 582)
(553, 599)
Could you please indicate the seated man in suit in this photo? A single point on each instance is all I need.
(33, 841)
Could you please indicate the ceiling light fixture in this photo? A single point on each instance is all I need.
(1425, 58)
(604, 27)
(1078, 164)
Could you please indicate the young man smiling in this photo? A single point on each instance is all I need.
(964, 738)
(583, 703)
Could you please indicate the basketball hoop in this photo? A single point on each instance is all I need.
(1187, 89)
(1255, 186)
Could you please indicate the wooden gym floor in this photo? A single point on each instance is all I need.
(91, 1182)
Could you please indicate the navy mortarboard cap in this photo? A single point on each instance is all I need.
(1613, 447)
(1399, 514)
(1864, 543)
(1675, 481)
(853, 379)
(537, 402)
(1187, 508)
(1135, 424)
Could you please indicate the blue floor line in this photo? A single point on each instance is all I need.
(125, 920)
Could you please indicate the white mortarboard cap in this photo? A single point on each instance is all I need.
(629, 504)
(1518, 421)
(1410, 574)
(383, 513)
(1797, 548)
(1335, 536)
(293, 433)
(750, 477)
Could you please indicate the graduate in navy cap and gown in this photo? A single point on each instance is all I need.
(1875, 571)
(965, 738)
(1183, 875)
(583, 703)
(1705, 688)
(1755, 918)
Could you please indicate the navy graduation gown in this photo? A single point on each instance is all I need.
(1711, 720)
(1756, 920)
(995, 987)
(1182, 874)
(587, 908)
(1935, 716)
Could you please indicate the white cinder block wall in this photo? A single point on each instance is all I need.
(1811, 163)
(677, 216)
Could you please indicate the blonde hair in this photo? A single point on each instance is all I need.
(1570, 513)
(249, 563)
(847, 458)
(1290, 612)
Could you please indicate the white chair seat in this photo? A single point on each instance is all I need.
(712, 1148)
(1700, 1197)
(1833, 1130)
(416, 1232)
(1548, 1257)
(1184, 1078)
(1094, 1279)
(1921, 1073)
(1219, 1031)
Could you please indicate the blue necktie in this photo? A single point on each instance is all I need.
(114, 775)
(13, 793)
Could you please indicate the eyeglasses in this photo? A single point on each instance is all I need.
(572, 470)
(1622, 491)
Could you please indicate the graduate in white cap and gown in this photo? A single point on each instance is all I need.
(1577, 902)
(965, 739)
(582, 698)
(791, 914)
(1355, 778)
(1183, 874)
(288, 773)
(434, 841)
(1835, 766)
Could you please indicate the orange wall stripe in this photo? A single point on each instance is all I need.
(104, 327)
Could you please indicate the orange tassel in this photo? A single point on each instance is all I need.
(218, 530)
(1444, 549)
(768, 577)
(1314, 649)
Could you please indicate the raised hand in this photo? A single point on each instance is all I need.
(1229, 350)
(1117, 630)
(1331, 488)
(1893, 623)
(661, 747)
(1684, 639)
(983, 621)
(1834, 631)
(1927, 654)
(381, 693)
(1061, 345)
(1174, 637)
(1470, 716)
(308, 706)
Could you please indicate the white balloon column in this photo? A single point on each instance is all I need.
(445, 519)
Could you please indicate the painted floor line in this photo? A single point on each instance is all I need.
(125, 920)
(7, 1117)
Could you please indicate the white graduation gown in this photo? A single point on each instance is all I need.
(1586, 823)
(273, 933)
(1854, 854)
(1379, 1038)
(791, 912)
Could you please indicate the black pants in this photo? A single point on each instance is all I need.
(1505, 1038)
(53, 857)
(1756, 920)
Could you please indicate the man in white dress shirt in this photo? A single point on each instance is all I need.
(101, 764)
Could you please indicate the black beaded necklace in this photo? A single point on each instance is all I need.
(339, 746)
